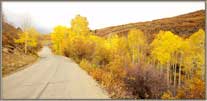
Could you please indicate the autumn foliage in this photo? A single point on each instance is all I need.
(29, 38)
(168, 67)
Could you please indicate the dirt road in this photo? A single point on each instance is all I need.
(51, 77)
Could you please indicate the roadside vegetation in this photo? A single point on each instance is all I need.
(19, 47)
(134, 66)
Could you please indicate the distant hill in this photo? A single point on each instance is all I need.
(182, 25)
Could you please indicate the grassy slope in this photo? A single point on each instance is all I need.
(182, 25)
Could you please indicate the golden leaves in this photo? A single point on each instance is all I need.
(28, 38)
(106, 59)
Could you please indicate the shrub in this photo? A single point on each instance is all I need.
(192, 89)
(85, 65)
(82, 48)
(167, 95)
(145, 81)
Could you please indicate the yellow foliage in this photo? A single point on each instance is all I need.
(79, 25)
(28, 38)
(164, 46)
(137, 43)
(106, 59)
(167, 95)
(57, 37)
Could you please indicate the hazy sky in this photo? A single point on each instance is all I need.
(46, 15)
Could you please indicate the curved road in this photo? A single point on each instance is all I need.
(52, 77)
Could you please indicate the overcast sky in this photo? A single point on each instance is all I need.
(46, 15)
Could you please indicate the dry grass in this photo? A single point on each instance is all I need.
(182, 25)
(15, 62)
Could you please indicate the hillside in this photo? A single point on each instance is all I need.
(9, 33)
(13, 56)
(182, 25)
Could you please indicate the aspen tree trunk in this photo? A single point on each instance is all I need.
(133, 55)
(168, 76)
(25, 47)
(175, 70)
(174, 79)
(179, 82)
(138, 51)
(160, 68)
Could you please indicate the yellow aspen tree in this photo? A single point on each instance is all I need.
(163, 49)
(79, 25)
(23, 38)
(57, 36)
(197, 42)
(137, 44)
(67, 42)
(28, 38)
